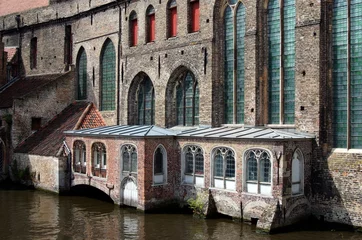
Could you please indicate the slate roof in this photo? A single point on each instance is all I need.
(23, 86)
(124, 131)
(49, 139)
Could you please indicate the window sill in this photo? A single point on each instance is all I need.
(298, 195)
(257, 195)
(345, 150)
(172, 38)
(194, 33)
(150, 43)
(281, 126)
(158, 184)
(223, 189)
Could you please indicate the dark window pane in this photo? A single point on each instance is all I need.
(252, 168)
(230, 165)
(158, 163)
(218, 165)
(189, 163)
(126, 161)
(134, 162)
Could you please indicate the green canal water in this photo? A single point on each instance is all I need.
(30, 214)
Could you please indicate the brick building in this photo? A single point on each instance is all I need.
(259, 102)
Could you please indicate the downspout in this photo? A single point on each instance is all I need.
(119, 63)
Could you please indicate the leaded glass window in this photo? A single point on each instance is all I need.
(129, 158)
(146, 102)
(347, 74)
(281, 86)
(224, 168)
(193, 164)
(187, 100)
(234, 70)
(189, 163)
(108, 77)
(82, 75)
(258, 171)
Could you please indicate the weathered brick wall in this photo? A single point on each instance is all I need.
(44, 103)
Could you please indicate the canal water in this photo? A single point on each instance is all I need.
(37, 215)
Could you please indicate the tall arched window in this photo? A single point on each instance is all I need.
(146, 102)
(160, 166)
(108, 77)
(234, 25)
(80, 160)
(258, 171)
(297, 172)
(224, 168)
(193, 162)
(172, 18)
(347, 74)
(281, 61)
(151, 24)
(99, 165)
(133, 29)
(82, 75)
(129, 159)
(187, 100)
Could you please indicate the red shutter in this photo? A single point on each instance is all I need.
(152, 30)
(173, 22)
(195, 16)
(134, 32)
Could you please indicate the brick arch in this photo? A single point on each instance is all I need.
(133, 98)
(170, 100)
(103, 187)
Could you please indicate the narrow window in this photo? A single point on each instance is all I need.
(297, 172)
(194, 15)
(187, 100)
(129, 158)
(35, 124)
(33, 52)
(79, 163)
(108, 77)
(224, 168)
(68, 45)
(82, 75)
(172, 12)
(146, 109)
(193, 159)
(151, 24)
(99, 160)
(258, 171)
(160, 166)
(281, 61)
(234, 34)
(133, 29)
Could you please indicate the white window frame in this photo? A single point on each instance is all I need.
(227, 182)
(193, 178)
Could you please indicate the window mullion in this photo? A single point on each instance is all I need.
(235, 87)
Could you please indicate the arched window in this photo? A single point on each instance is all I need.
(297, 172)
(258, 171)
(80, 160)
(160, 166)
(133, 29)
(82, 75)
(151, 24)
(281, 84)
(33, 52)
(187, 100)
(224, 168)
(194, 11)
(172, 18)
(193, 158)
(234, 25)
(129, 159)
(347, 74)
(108, 77)
(146, 102)
(99, 165)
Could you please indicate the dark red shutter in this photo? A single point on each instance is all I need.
(173, 22)
(134, 32)
(152, 26)
(195, 16)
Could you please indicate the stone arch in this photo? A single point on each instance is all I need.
(254, 209)
(133, 113)
(129, 191)
(84, 182)
(170, 101)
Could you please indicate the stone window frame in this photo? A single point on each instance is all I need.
(191, 18)
(160, 178)
(33, 52)
(150, 12)
(99, 158)
(171, 6)
(284, 82)
(346, 130)
(129, 149)
(133, 36)
(231, 180)
(297, 165)
(82, 75)
(238, 82)
(79, 157)
(107, 89)
(193, 149)
(257, 180)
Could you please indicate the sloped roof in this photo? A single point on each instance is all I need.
(23, 86)
(124, 131)
(11, 52)
(49, 139)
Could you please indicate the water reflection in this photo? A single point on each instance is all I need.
(38, 215)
